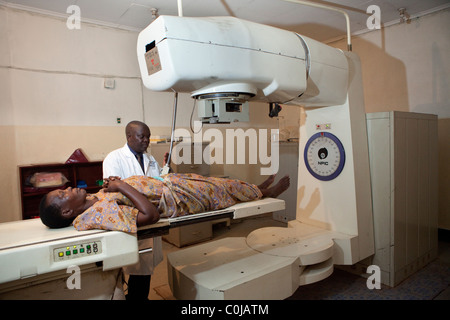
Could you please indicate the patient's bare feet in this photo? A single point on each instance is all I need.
(266, 183)
(277, 189)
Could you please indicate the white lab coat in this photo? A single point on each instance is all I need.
(122, 162)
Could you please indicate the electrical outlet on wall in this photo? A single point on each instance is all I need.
(109, 83)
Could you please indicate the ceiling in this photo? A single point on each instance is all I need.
(316, 23)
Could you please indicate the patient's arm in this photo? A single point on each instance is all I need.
(148, 213)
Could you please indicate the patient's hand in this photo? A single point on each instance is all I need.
(112, 184)
(112, 178)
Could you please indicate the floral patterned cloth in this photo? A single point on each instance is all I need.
(173, 194)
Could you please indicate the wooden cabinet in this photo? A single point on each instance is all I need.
(190, 234)
(89, 172)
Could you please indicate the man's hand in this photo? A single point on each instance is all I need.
(166, 158)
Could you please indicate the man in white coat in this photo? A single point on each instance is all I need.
(132, 160)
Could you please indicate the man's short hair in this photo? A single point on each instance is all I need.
(51, 215)
(135, 123)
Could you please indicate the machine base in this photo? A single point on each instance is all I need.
(271, 263)
(228, 269)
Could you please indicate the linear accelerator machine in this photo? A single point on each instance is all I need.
(226, 62)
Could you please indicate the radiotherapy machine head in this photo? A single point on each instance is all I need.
(227, 62)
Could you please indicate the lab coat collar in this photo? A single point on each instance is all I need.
(131, 153)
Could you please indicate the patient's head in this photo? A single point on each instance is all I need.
(59, 208)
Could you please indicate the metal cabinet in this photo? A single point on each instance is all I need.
(288, 165)
(403, 152)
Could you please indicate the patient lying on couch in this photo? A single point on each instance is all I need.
(125, 205)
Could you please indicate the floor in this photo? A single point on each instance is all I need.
(430, 283)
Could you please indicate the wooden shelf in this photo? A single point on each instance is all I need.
(90, 172)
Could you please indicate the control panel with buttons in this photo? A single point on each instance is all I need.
(77, 250)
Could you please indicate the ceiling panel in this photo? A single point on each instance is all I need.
(137, 15)
(103, 10)
(313, 22)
